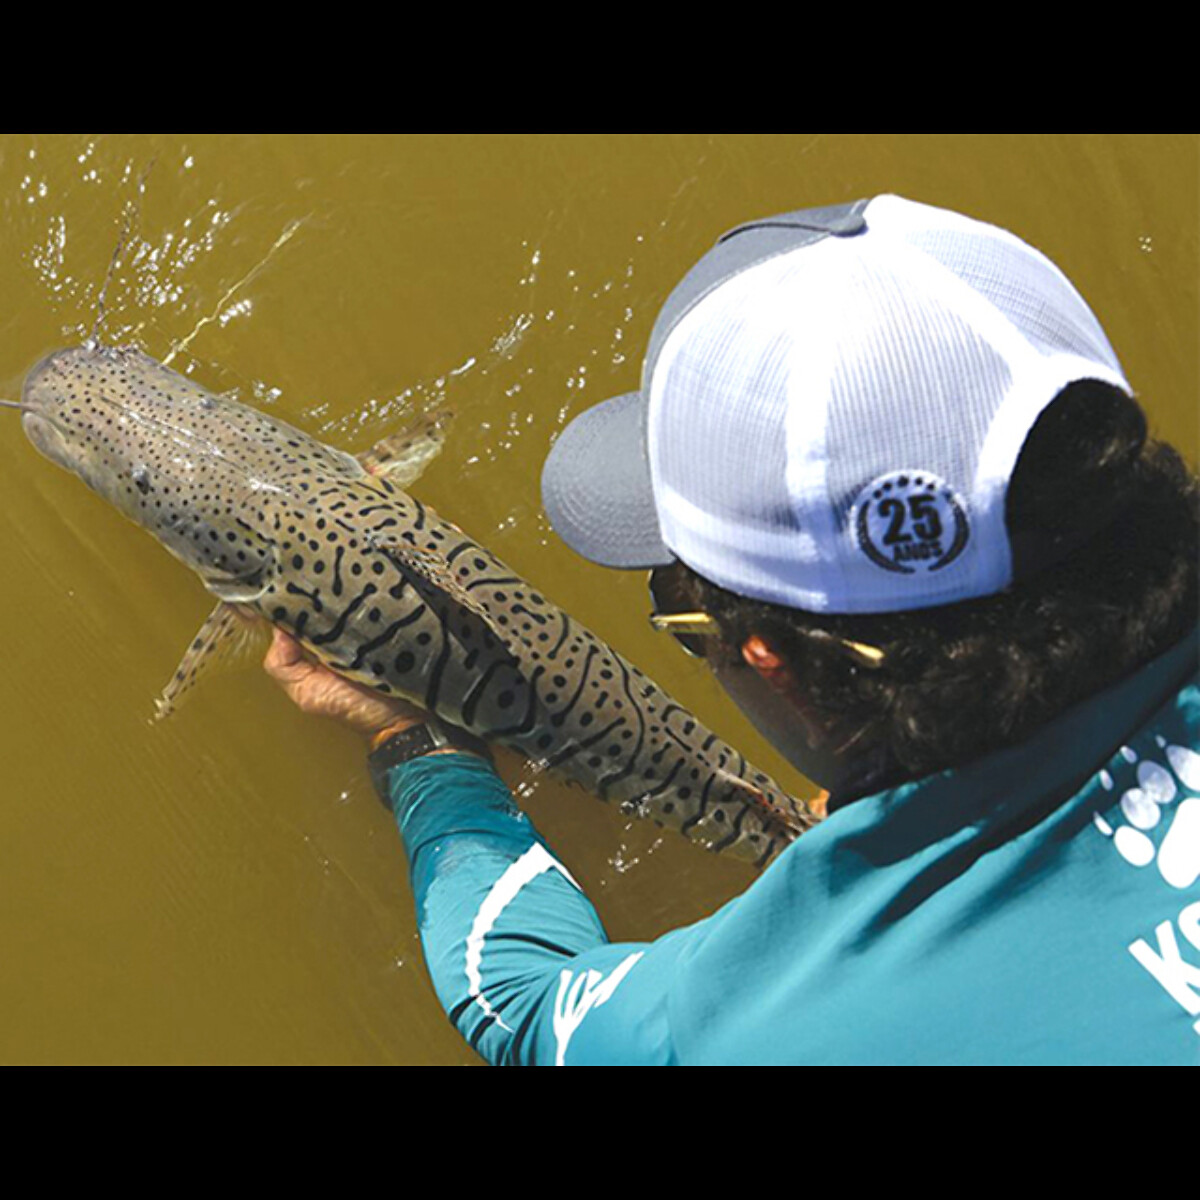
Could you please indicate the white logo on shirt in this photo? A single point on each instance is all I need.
(578, 996)
(1165, 962)
(1177, 854)
(1173, 847)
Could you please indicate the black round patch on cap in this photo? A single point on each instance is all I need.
(911, 523)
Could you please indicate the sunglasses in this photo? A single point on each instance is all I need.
(696, 631)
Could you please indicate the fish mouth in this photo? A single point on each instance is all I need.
(44, 419)
(48, 440)
(38, 401)
(45, 398)
(50, 388)
(39, 393)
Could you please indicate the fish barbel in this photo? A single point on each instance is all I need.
(333, 550)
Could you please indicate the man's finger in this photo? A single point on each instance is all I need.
(284, 657)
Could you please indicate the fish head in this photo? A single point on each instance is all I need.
(192, 468)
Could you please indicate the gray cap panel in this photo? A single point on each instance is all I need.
(745, 247)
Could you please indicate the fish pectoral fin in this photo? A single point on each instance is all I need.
(403, 457)
(235, 591)
(227, 640)
(243, 589)
(428, 568)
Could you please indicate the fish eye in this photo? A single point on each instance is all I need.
(141, 479)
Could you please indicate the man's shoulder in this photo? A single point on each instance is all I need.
(926, 924)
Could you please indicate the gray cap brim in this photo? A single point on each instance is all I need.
(598, 491)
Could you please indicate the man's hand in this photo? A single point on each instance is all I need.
(316, 690)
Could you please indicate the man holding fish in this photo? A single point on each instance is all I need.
(893, 485)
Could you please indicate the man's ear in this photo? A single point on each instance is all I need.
(761, 657)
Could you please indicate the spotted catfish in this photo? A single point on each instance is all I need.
(375, 585)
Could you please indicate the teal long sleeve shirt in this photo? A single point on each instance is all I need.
(1041, 906)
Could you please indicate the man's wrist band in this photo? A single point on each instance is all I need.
(431, 737)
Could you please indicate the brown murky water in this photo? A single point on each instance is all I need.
(226, 888)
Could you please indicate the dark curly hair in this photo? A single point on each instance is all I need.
(959, 682)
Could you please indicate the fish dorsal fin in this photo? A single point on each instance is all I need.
(403, 457)
(429, 568)
(226, 641)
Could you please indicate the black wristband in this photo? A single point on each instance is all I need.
(432, 737)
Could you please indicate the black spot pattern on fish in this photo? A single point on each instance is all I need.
(382, 590)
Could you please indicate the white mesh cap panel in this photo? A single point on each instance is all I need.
(719, 404)
(910, 369)
(1022, 284)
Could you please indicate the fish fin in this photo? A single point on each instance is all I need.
(235, 591)
(243, 589)
(430, 568)
(403, 457)
(226, 641)
(794, 815)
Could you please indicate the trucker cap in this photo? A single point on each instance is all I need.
(833, 404)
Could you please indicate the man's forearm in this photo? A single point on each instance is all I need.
(517, 953)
